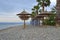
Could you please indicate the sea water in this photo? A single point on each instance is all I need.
(4, 25)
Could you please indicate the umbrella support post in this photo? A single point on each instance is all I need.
(24, 24)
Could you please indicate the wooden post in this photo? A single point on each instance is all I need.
(24, 24)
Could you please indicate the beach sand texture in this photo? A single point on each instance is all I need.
(30, 33)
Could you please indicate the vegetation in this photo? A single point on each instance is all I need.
(33, 14)
(41, 3)
(51, 19)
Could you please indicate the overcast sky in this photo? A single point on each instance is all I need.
(9, 9)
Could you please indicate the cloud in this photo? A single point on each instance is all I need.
(15, 5)
(9, 8)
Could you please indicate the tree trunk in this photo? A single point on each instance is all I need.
(37, 12)
(58, 12)
(43, 7)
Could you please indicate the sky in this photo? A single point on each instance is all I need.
(9, 9)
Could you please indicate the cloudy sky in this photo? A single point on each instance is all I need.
(9, 9)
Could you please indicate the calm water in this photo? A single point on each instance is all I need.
(4, 25)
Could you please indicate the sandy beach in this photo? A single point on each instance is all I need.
(30, 33)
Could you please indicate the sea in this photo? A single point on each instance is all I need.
(4, 25)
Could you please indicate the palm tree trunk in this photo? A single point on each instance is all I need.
(58, 12)
(37, 12)
(43, 7)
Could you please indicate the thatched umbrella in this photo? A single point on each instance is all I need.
(46, 13)
(24, 16)
(42, 15)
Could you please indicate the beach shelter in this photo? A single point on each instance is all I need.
(42, 15)
(24, 16)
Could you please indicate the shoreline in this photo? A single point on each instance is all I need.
(28, 26)
(10, 27)
(15, 26)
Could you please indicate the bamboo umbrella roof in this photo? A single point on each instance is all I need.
(39, 16)
(42, 15)
(46, 13)
(24, 13)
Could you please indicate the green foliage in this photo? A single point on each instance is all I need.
(36, 7)
(50, 20)
(43, 3)
(46, 2)
(33, 9)
(33, 14)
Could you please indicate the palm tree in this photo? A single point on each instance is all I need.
(43, 3)
(36, 9)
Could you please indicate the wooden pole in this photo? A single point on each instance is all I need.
(24, 24)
